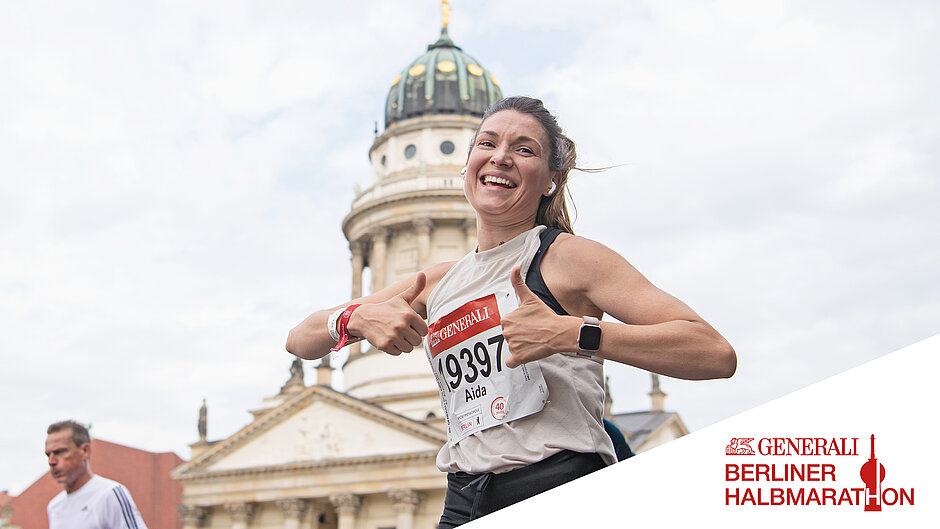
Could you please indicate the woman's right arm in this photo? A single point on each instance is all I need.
(392, 319)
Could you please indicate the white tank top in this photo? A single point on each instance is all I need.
(572, 414)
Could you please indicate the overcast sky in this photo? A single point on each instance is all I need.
(173, 176)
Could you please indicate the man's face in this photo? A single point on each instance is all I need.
(66, 460)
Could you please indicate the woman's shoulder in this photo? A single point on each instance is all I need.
(435, 272)
(575, 253)
(575, 247)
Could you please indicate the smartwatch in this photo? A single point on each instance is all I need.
(589, 337)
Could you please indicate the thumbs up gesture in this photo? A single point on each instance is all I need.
(393, 325)
(532, 327)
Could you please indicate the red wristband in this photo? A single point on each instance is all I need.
(344, 338)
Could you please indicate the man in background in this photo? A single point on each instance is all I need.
(89, 501)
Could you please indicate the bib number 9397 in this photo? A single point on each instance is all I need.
(466, 365)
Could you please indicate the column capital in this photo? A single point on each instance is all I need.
(193, 515)
(240, 512)
(404, 500)
(346, 503)
(423, 224)
(357, 247)
(293, 508)
(379, 234)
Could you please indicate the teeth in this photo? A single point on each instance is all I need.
(497, 180)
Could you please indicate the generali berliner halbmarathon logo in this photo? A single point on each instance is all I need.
(828, 472)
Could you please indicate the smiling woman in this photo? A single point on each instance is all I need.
(515, 337)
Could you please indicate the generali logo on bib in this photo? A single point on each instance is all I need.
(470, 319)
(825, 472)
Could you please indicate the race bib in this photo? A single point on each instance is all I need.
(468, 356)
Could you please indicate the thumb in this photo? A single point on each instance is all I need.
(415, 289)
(522, 291)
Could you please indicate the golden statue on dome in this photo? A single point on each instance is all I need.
(445, 12)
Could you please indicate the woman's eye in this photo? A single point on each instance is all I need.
(525, 150)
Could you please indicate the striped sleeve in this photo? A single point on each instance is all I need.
(127, 515)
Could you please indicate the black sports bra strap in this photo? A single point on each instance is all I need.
(534, 279)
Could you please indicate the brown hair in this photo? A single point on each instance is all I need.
(553, 209)
(79, 431)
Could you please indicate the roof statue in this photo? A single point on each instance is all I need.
(202, 421)
(296, 380)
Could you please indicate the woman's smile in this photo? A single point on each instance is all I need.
(497, 181)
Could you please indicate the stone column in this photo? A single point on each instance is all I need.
(405, 502)
(241, 514)
(293, 510)
(357, 248)
(193, 516)
(470, 232)
(346, 505)
(423, 227)
(378, 258)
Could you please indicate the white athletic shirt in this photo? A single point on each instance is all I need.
(572, 417)
(99, 504)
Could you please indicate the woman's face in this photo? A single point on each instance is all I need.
(507, 171)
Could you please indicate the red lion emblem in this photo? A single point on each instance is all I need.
(740, 446)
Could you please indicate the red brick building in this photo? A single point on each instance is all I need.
(145, 474)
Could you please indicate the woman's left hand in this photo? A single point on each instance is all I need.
(531, 330)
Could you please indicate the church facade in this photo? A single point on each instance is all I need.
(316, 458)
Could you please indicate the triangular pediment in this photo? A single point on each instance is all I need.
(319, 425)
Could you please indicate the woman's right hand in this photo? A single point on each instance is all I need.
(393, 325)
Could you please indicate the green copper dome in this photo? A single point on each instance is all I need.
(444, 80)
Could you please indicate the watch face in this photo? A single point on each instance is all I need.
(590, 338)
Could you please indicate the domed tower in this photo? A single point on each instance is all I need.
(415, 213)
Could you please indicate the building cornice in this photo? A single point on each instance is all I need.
(307, 466)
(446, 121)
(359, 216)
(406, 187)
(385, 399)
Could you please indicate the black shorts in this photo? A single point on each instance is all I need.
(470, 496)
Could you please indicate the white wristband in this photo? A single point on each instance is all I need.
(331, 324)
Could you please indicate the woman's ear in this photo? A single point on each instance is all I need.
(551, 189)
(553, 186)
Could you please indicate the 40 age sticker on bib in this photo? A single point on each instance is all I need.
(468, 355)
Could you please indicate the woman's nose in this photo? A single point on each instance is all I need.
(501, 157)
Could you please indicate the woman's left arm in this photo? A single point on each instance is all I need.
(660, 333)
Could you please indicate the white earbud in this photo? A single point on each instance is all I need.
(551, 190)
(463, 172)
